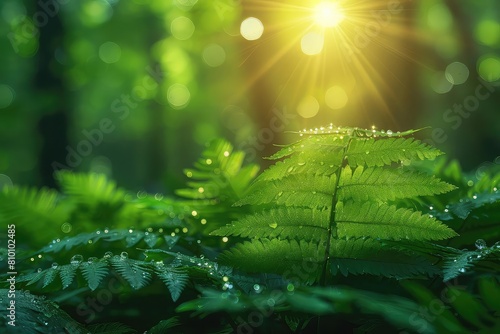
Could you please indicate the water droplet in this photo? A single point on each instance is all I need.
(290, 169)
(76, 259)
(389, 133)
(55, 265)
(141, 194)
(474, 197)
(108, 255)
(124, 255)
(158, 197)
(462, 270)
(480, 244)
(280, 193)
(301, 163)
(92, 259)
(256, 287)
(39, 270)
(66, 227)
(431, 208)
(226, 153)
(208, 161)
(367, 152)
(273, 225)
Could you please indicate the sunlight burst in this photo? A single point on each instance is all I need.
(328, 14)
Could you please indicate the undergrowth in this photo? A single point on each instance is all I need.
(351, 229)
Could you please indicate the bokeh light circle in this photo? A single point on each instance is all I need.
(312, 43)
(214, 55)
(178, 96)
(251, 28)
(182, 28)
(110, 52)
(489, 68)
(6, 96)
(308, 107)
(457, 73)
(336, 97)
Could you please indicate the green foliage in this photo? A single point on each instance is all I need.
(334, 216)
(290, 236)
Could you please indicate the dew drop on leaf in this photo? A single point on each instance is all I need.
(389, 133)
(55, 265)
(76, 259)
(124, 255)
(480, 244)
(273, 225)
(108, 255)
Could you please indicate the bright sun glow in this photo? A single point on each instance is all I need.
(328, 14)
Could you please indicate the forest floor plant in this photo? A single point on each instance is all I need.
(351, 230)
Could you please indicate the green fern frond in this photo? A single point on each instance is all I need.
(22, 205)
(219, 173)
(164, 325)
(366, 256)
(129, 236)
(484, 258)
(91, 188)
(387, 222)
(175, 279)
(219, 179)
(307, 191)
(94, 271)
(287, 257)
(324, 202)
(373, 152)
(280, 223)
(67, 273)
(35, 315)
(133, 271)
(388, 184)
(110, 328)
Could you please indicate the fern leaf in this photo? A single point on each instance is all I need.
(110, 328)
(483, 258)
(334, 185)
(175, 279)
(372, 152)
(298, 260)
(133, 271)
(25, 205)
(366, 256)
(322, 143)
(307, 190)
(280, 223)
(387, 222)
(67, 273)
(316, 163)
(388, 184)
(90, 188)
(49, 276)
(164, 325)
(94, 271)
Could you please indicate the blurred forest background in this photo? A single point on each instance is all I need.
(135, 88)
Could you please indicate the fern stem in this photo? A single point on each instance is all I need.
(333, 223)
